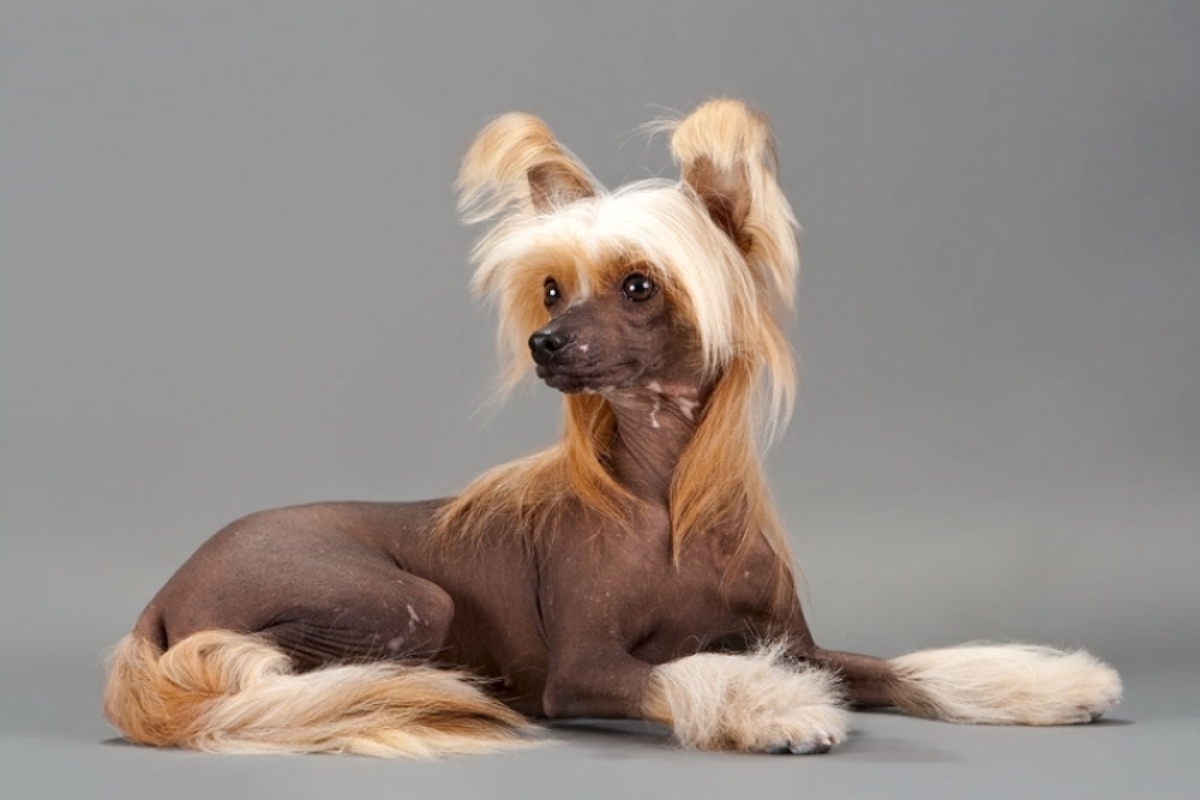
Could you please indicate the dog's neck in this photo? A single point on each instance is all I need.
(654, 425)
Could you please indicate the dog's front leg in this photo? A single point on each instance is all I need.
(604, 683)
(762, 701)
(595, 617)
(757, 702)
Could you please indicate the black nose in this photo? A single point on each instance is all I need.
(545, 343)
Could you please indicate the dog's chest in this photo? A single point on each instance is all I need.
(723, 602)
(716, 595)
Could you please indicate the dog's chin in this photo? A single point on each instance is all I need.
(571, 384)
(574, 383)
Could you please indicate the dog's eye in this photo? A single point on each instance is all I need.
(637, 287)
(552, 292)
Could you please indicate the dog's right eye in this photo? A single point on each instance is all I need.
(551, 292)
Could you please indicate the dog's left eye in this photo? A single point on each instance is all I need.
(637, 287)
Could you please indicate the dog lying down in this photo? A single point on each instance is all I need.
(636, 569)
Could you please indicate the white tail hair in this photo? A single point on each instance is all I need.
(226, 692)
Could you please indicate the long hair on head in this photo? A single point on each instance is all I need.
(722, 242)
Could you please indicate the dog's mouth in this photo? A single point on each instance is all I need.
(570, 380)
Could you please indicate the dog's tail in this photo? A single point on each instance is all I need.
(990, 684)
(234, 693)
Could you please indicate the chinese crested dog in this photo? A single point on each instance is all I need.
(636, 569)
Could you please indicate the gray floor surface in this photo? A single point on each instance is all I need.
(54, 743)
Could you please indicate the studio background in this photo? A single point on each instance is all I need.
(233, 278)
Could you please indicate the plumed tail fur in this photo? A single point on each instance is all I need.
(233, 693)
(1011, 684)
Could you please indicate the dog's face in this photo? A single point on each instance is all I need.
(625, 332)
(658, 282)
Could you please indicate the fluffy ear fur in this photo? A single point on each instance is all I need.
(515, 163)
(727, 155)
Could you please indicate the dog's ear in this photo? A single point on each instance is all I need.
(727, 156)
(515, 162)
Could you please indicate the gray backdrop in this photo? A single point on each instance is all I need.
(233, 278)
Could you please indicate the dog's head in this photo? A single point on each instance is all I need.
(657, 284)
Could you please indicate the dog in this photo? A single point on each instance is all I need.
(636, 569)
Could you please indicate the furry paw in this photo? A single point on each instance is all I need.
(1007, 685)
(755, 703)
(810, 729)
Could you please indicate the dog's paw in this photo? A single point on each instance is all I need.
(1093, 690)
(756, 703)
(800, 731)
(1007, 685)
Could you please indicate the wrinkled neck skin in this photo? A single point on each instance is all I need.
(654, 425)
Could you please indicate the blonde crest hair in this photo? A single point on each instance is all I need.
(722, 243)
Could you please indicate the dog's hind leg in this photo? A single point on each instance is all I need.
(387, 614)
(283, 638)
(994, 684)
(320, 595)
